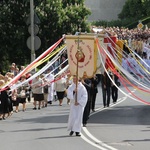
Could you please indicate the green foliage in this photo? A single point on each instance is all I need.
(132, 12)
(57, 17)
(60, 17)
(146, 7)
(13, 33)
(133, 9)
(108, 23)
(134, 24)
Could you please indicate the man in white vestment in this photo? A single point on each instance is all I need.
(50, 80)
(78, 99)
(131, 64)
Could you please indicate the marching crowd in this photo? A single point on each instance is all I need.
(136, 39)
(46, 88)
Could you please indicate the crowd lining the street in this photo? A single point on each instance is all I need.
(137, 40)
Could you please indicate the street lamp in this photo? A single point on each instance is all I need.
(32, 30)
(33, 41)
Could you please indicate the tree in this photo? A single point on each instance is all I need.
(57, 17)
(13, 33)
(76, 12)
(61, 17)
(146, 7)
(135, 10)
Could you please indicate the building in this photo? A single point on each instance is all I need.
(104, 9)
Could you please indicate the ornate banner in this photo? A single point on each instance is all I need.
(101, 56)
(119, 48)
(111, 44)
(82, 52)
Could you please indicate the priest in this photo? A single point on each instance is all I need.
(77, 94)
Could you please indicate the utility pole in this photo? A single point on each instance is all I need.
(32, 30)
(33, 41)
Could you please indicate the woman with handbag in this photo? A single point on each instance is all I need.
(60, 88)
(37, 90)
(45, 89)
(22, 93)
(15, 100)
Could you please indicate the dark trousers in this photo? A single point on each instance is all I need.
(114, 93)
(86, 112)
(106, 93)
(93, 99)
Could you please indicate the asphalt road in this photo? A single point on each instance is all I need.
(123, 126)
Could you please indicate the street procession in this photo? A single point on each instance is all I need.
(92, 85)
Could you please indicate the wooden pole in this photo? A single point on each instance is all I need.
(77, 70)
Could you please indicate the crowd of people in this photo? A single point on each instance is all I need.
(47, 87)
(11, 99)
(34, 89)
(43, 89)
(136, 49)
(136, 39)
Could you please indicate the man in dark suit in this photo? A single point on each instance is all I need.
(87, 83)
(106, 88)
(114, 89)
(94, 91)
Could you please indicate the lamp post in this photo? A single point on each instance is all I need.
(33, 41)
(32, 30)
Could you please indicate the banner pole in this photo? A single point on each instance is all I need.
(77, 70)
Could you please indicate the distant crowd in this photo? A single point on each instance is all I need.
(136, 39)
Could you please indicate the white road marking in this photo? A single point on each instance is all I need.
(97, 143)
(101, 144)
(92, 143)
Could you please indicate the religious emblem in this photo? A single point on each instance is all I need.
(80, 55)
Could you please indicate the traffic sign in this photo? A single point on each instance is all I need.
(37, 42)
(140, 25)
(36, 29)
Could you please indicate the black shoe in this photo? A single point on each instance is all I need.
(34, 108)
(50, 102)
(71, 133)
(78, 134)
(84, 125)
(39, 108)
